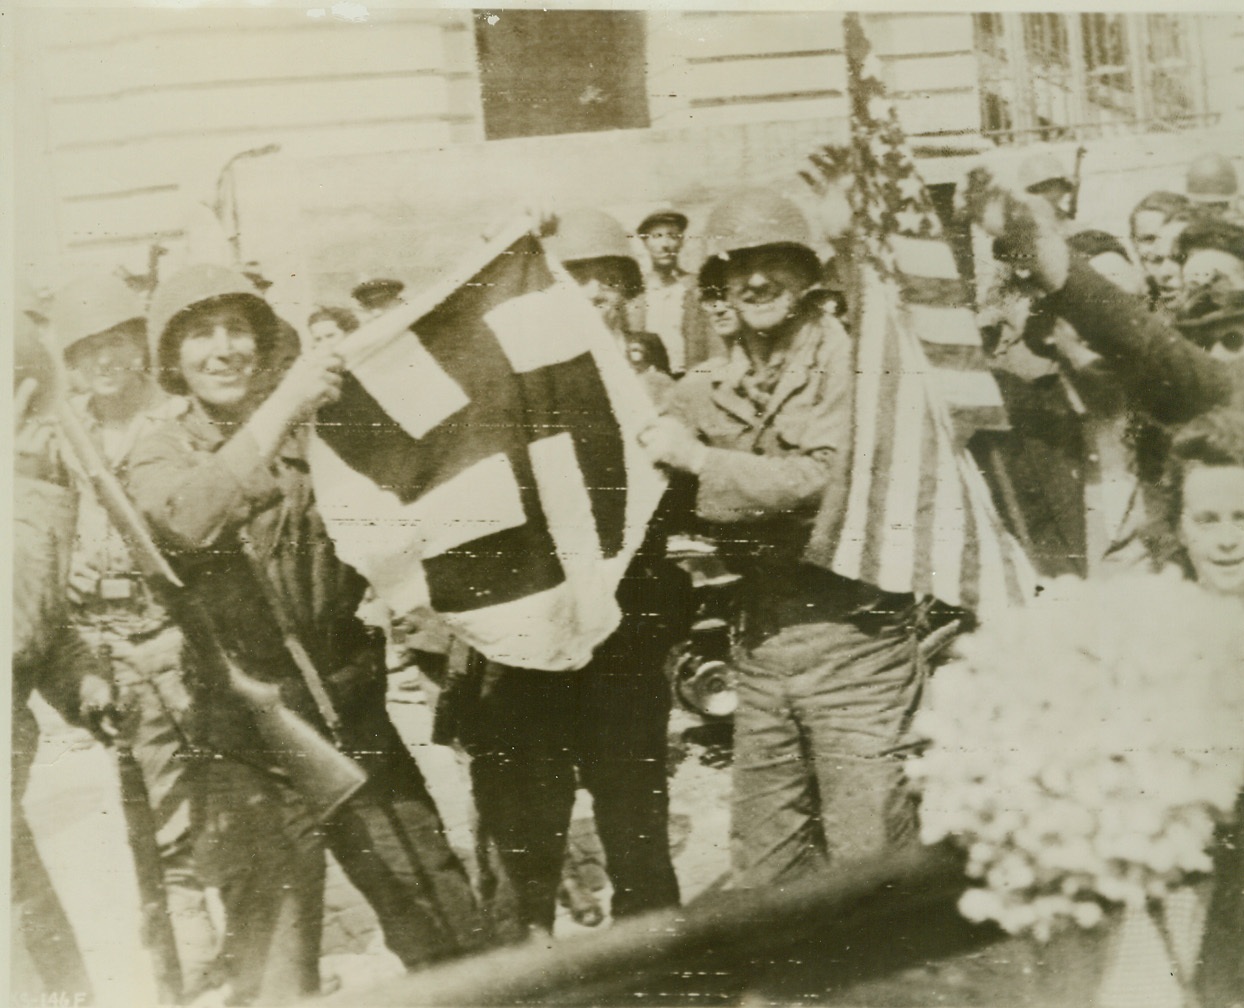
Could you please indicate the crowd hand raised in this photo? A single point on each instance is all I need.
(1024, 228)
(671, 444)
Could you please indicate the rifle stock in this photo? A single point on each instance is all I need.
(299, 755)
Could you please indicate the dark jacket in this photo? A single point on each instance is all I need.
(1167, 376)
(1047, 454)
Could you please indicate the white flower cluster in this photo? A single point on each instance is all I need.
(1083, 747)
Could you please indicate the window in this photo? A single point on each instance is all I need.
(554, 71)
(1059, 76)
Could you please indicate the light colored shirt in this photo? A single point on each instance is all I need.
(665, 308)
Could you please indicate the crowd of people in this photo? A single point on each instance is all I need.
(199, 402)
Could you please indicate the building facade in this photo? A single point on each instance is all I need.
(136, 125)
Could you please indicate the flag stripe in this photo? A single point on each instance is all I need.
(897, 546)
(919, 517)
(926, 502)
(956, 357)
(880, 447)
(935, 292)
(940, 325)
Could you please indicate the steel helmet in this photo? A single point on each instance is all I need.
(750, 219)
(92, 305)
(194, 287)
(1212, 179)
(1039, 170)
(592, 234)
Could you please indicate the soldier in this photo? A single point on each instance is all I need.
(595, 251)
(827, 676)
(100, 324)
(226, 489)
(50, 658)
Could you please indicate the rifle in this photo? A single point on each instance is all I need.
(293, 645)
(140, 830)
(303, 758)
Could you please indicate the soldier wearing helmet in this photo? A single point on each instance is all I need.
(48, 657)
(826, 679)
(99, 322)
(226, 489)
(597, 253)
(1213, 185)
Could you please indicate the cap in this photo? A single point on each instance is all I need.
(376, 291)
(666, 215)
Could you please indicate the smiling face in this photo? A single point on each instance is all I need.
(111, 364)
(218, 357)
(1211, 526)
(765, 286)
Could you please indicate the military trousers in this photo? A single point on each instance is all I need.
(823, 720)
(152, 700)
(259, 843)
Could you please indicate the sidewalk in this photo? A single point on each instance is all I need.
(74, 807)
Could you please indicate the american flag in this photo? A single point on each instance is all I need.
(482, 464)
(918, 515)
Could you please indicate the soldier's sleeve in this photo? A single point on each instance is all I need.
(48, 654)
(814, 429)
(43, 516)
(192, 496)
(1166, 375)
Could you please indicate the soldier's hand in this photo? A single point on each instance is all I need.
(312, 381)
(97, 709)
(670, 443)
